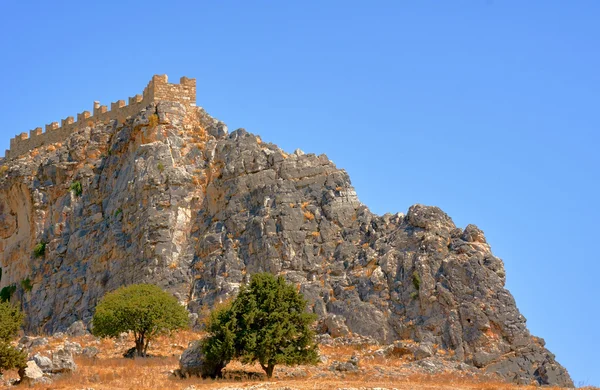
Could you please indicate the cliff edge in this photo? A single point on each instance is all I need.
(166, 195)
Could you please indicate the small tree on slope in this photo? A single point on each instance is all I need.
(143, 309)
(267, 322)
(11, 319)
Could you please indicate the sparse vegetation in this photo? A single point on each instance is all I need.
(7, 292)
(266, 323)
(143, 309)
(160, 166)
(118, 212)
(3, 169)
(76, 188)
(416, 280)
(26, 284)
(152, 120)
(40, 249)
(11, 319)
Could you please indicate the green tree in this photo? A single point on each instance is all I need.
(11, 319)
(219, 349)
(143, 309)
(267, 322)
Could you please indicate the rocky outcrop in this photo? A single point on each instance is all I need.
(193, 363)
(31, 373)
(169, 197)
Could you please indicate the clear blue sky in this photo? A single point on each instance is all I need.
(488, 109)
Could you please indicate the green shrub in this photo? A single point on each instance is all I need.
(7, 292)
(76, 188)
(11, 319)
(26, 284)
(39, 249)
(416, 280)
(117, 212)
(160, 166)
(219, 349)
(143, 309)
(267, 322)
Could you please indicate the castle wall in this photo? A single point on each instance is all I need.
(157, 89)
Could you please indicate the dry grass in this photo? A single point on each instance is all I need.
(152, 121)
(111, 371)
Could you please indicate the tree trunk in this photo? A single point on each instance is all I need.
(268, 369)
(139, 346)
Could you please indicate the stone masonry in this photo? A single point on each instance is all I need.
(157, 89)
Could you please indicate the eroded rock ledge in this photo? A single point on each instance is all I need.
(169, 197)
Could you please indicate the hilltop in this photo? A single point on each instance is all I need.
(158, 191)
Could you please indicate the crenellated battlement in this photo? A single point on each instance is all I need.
(157, 89)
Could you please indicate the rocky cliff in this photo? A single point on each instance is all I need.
(168, 196)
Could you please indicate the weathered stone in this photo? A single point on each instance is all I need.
(74, 348)
(32, 342)
(193, 362)
(43, 362)
(90, 352)
(350, 366)
(76, 329)
(62, 361)
(423, 350)
(335, 325)
(31, 373)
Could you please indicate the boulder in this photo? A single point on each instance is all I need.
(77, 329)
(90, 352)
(43, 362)
(32, 342)
(74, 348)
(423, 350)
(335, 325)
(62, 361)
(31, 373)
(193, 362)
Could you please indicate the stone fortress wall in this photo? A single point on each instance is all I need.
(157, 89)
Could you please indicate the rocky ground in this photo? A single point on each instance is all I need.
(77, 360)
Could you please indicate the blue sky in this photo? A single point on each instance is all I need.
(488, 109)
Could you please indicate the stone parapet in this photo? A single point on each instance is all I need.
(157, 89)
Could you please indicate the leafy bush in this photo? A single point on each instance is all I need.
(76, 188)
(219, 349)
(143, 309)
(39, 249)
(118, 212)
(160, 166)
(26, 284)
(7, 292)
(11, 319)
(416, 280)
(267, 322)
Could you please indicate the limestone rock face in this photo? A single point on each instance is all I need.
(179, 202)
